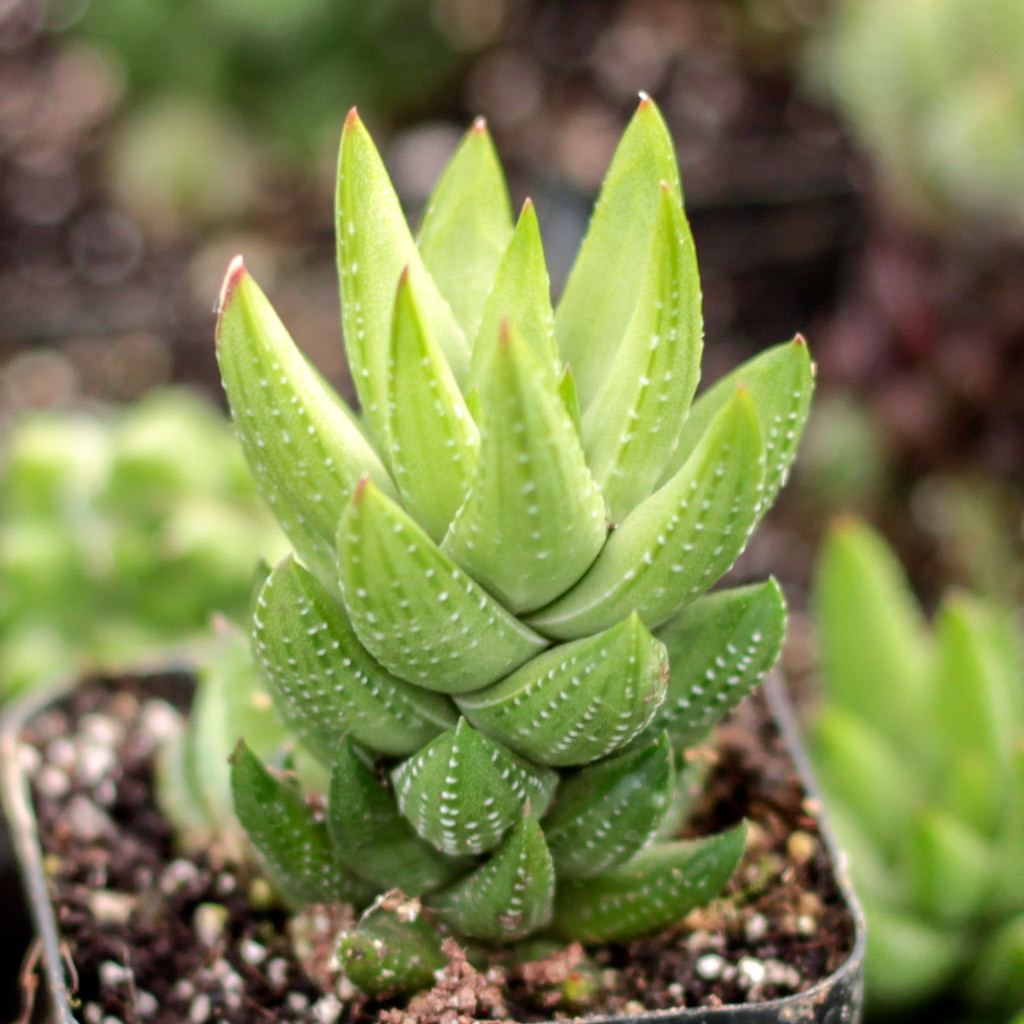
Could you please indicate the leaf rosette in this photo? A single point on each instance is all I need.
(495, 631)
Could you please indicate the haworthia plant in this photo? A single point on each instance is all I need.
(919, 745)
(495, 632)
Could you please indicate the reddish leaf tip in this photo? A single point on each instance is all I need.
(645, 101)
(352, 119)
(479, 126)
(527, 205)
(403, 278)
(236, 271)
(504, 334)
(360, 491)
(800, 340)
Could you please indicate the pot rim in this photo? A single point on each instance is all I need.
(15, 796)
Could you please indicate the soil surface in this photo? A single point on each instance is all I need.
(165, 938)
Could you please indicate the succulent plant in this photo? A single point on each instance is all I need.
(495, 629)
(936, 92)
(919, 745)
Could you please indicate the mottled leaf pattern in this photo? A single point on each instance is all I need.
(653, 891)
(579, 701)
(604, 285)
(675, 545)
(607, 812)
(433, 437)
(466, 227)
(372, 839)
(719, 649)
(631, 428)
(294, 846)
(534, 519)
(464, 790)
(324, 681)
(781, 383)
(418, 614)
(303, 447)
(510, 895)
(374, 246)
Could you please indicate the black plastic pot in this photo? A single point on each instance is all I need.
(836, 999)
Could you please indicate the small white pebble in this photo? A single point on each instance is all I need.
(233, 1000)
(111, 907)
(159, 721)
(146, 1003)
(297, 1002)
(52, 782)
(183, 989)
(757, 928)
(806, 925)
(781, 974)
(710, 966)
(113, 974)
(752, 970)
(61, 752)
(177, 875)
(95, 762)
(252, 952)
(29, 759)
(346, 990)
(102, 729)
(277, 972)
(92, 1013)
(208, 921)
(327, 1009)
(86, 821)
(199, 1011)
(675, 990)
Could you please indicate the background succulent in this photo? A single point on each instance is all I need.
(464, 635)
(920, 747)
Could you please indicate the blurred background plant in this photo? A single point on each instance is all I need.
(120, 534)
(919, 745)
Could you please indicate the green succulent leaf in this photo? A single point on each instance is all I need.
(578, 701)
(649, 893)
(324, 682)
(691, 775)
(374, 246)
(601, 292)
(463, 791)
(675, 545)
(781, 383)
(434, 440)
(303, 447)
(862, 769)
(534, 519)
(975, 710)
(605, 813)
(570, 399)
(293, 845)
(510, 895)
(392, 950)
(949, 867)
(859, 592)
(631, 428)
(909, 958)
(372, 839)
(466, 227)
(416, 612)
(520, 295)
(997, 980)
(719, 649)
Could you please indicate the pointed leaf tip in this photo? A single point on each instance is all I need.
(353, 118)
(645, 100)
(360, 490)
(236, 271)
(479, 125)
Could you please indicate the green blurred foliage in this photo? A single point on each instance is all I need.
(935, 89)
(120, 535)
(919, 746)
